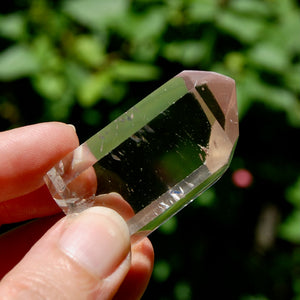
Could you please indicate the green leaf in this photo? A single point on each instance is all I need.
(253, 7)
(75, 73)
(269, 57)
(285, 34)
(50, 86)
(183, 291)
(250, 88)
(290, 229)
(244, 100)
(246, 29)
(161, 271)
(140, 28)
(169, 227)
(46, 54)
(235, 62)
(132, 71)
(202, 11)
(91, 90)
(292, 78)
(187, 52)
(208, 198)
(96, 14)
(277, 98)
(16, 62)
(115, 91)
(89, 50)
(293, 194)
(61, 110)
(146, 51)
(12, 26)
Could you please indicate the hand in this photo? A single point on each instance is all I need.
(83, 256)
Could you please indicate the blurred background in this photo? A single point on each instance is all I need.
(86, 61)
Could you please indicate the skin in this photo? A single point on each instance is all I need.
(55, 266)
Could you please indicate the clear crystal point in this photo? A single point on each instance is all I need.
(160, 155)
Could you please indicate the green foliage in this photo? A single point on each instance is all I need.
(17, 61)
(182, 291)
(206, 199)
(170, 226)
(290, 228)
(161, 270)
(12, 26)
(96, 14)
(86, 61)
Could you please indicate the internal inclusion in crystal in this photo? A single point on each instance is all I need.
(159, 155)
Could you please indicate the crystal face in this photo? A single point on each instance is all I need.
(159, 155)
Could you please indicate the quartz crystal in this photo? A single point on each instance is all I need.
(159, 155)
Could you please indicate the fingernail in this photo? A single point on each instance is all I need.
(97, 239)
(115, 194)
(72, 126)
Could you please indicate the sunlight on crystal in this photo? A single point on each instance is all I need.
(159, 155)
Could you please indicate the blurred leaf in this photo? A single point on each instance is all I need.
(61, 110)
(132, 71)
(246, 29)
(187, 52)
(50, 86)
(269, 57)
(202, 11)
(251, 88)
(146, 51)
(75, 73)
(96, 14)
(208, 198)
(114, 92)
(170, 226)
(47, 55)
(142, 27)
(17, 61)
(290, 228)
(296, 286)
(235, 62)
(285, 33)
(89, 50)
(293, 194)
(292, 78)
(282, 100)
(91, 89)
(253, 7)
(183, 291)
(244, 102)
(161, 271)
(43, 18)
(12, 26)
(290, 31)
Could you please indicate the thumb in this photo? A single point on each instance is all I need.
(83, 256)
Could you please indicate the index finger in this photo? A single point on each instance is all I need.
(27, 153)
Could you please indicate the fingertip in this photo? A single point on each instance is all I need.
(137, 279)
(143, 253)
(72, 126)
(27, 153)
(97, 239)
(82, 256)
